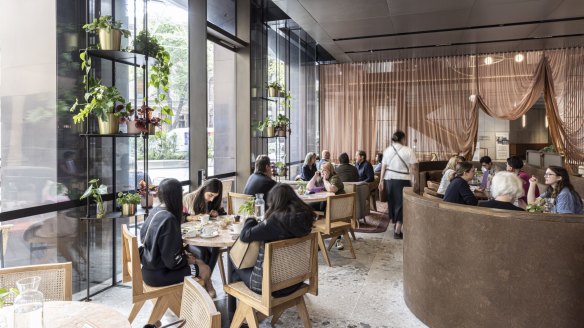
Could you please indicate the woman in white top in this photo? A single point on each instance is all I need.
(398, 171)
(448, 173)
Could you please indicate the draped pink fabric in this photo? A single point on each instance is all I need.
(436, 100)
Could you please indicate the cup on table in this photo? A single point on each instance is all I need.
(236, 227)
(204, 219)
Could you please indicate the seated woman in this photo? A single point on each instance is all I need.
(309, 167)
(164, 261)
(448, 173)
(506, 188)
(560, 192)
(458, 190)
(288, 217)
(206, 200)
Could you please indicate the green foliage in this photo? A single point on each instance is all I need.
(146, 44)
(164, 146)
(549, 149)
(280, 165)
(6, 293)
(536, 207)
(267, 123)
(274, 85)
(282, 121)
(128, 198)
(94, 191)
(99, 100)
(108, 23)
(247, 207)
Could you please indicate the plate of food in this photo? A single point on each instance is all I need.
(213, 234)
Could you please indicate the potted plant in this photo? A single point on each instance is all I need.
(267, 127)
(282, 169)
(94, 191)
(273, 89)
(110, 32)
(247, 208)
(301, 187)
(144, 122)
(101, 101)
(159, 72)
(281, 125)
(129, 202)
(146, 193)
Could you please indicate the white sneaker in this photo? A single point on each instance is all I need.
(339, 245)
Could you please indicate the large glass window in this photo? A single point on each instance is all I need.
(221, 127)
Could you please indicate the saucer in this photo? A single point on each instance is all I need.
(214, 234)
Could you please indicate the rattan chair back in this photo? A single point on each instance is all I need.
(55, 282)
(339, 208)
(197, 307)
(235, 200)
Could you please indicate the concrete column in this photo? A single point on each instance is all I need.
(243, 97)
(197, 88)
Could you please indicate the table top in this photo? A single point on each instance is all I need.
(225, 238)
(316, 197)
(75, 315)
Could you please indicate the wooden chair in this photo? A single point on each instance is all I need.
(55, 282)
(433, 185)
(235, 200)
(197, 307)
(340, 209)
(286, 263)
(163, 297)
(227, 185)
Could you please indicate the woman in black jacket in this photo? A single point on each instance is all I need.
(206, 200)
(287, 217)
(458, 190)
(164, 261)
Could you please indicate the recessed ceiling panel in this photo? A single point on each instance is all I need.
(342, 10)
(568, 8)
(414, 7)
(497, 33)
(356, 28)
(430, 21)
(484, 12)
(559, 28)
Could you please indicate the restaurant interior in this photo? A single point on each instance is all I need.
(129, 95)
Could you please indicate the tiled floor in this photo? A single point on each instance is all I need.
(366, 292)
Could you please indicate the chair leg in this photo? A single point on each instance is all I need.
(303, 313)
(333, 241)
(373, 201)
(323, 249)
(277, 314)
(221, 268)
(350, 244)
(135, 310)
(251, 318)
(353, 233)
(239, 315)
(159, 309)
(174, 303)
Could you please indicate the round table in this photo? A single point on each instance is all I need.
(75, 315)
(224, 239)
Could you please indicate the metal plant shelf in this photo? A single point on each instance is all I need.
(124, 57)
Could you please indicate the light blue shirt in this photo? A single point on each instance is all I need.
(565, 203)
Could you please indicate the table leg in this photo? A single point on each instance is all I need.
(114, 239)
(231, 304)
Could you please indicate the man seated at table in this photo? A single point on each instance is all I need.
(325, 158)
(345, 171)
(260, 182)
(364, 168)
(488, 171)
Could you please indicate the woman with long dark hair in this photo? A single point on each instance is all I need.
(206, 200)
(287, 217)
(164, 261)
(458, 190)
(560, 192)
(398, 171)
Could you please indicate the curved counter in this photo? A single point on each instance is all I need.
(468, 266)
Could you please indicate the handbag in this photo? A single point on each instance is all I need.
(244, 255)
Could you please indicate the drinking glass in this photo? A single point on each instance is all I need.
(29, 283)
(28, 306)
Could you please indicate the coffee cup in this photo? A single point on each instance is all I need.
(237, 227)
(205, 219)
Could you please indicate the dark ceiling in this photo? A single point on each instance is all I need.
(369, 30)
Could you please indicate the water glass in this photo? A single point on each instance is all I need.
(28, 310)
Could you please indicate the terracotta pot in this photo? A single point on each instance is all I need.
(150, 201)
(281, 132)
(132, 129)
(111, 126)
(110, 39)
(128, 209)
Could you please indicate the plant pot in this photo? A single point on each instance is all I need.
(269, 132)
(132, 129)
(151, 129)
(100, 211)
(150, 201)
(281, 132)
(111, 126)
(110, 39)
(272, 92)
(128, 209)
(283, 172)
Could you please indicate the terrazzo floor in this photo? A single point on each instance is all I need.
(362, 293)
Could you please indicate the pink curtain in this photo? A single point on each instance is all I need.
(436, 100)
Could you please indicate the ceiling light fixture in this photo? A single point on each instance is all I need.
(519, 58)
(547, 124)
(523, 121)
(488, 60)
